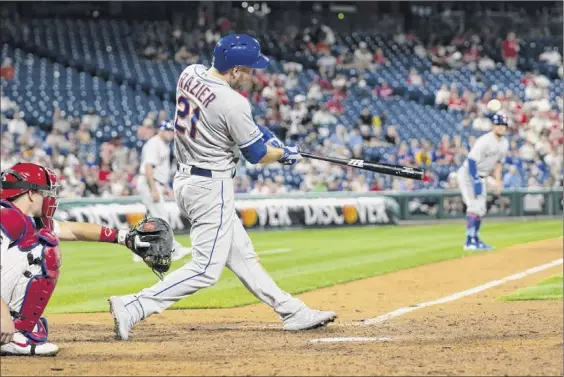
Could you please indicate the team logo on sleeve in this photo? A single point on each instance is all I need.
(254, 133)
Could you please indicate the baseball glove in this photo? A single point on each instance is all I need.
(152, 240)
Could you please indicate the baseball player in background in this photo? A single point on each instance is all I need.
(213, 126)
(154, 174)
(487, 155)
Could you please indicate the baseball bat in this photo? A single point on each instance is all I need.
(397, 170)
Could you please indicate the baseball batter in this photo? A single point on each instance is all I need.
(486, 155)
(154, 174)
(214, 125)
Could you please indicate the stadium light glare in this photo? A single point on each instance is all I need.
(244, 4)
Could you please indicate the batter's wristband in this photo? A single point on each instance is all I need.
(108, 235)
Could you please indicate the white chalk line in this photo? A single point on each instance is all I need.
(275, 251)
(351, 339)
(456, 296)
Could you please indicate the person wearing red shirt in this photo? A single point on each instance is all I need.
(379, 57)
(510, 51)
(7, 70)
(456, 103)
(384, 91)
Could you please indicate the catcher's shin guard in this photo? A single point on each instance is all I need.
(38, 291)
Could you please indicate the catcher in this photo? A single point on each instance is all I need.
(31, 257)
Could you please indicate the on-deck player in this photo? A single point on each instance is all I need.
(487, 155)
(152, 183)
(214, 125)
(30, 255)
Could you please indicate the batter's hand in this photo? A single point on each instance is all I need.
(291, 155)
(156, 196)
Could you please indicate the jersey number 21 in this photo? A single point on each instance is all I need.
(183, 111)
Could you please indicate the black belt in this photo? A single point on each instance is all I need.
(194, 170)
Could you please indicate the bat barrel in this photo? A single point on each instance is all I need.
(397, 170)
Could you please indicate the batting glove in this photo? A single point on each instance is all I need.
(291, 155)
(478, 188)
(275, 142)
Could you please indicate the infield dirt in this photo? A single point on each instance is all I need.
(476, 335)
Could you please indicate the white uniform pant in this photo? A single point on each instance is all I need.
(218, 240)
(13, 282)
(155, 209)
(475, 204)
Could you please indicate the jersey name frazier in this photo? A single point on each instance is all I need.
(196, 88)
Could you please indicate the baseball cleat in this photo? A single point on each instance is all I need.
(180, 253)
(484, 246)
(306, 319)
(21, 346)
(470, 246)
(123, 322)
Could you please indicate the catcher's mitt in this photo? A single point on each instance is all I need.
(152, 240)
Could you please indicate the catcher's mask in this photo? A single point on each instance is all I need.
(24, 177)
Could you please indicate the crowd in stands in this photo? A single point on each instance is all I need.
(312, 118)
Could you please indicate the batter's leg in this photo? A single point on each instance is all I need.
(211, 234)
(244, 262)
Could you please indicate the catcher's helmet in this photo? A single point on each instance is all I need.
(498, 119)
(238, 50)
(24, 177)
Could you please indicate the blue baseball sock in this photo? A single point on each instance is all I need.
(477, 223)
(471, 228)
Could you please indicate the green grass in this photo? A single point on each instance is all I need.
(318, 258)
(549, 289)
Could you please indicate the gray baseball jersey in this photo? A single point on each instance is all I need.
(212, 121)
(487, 152)
(156, 152)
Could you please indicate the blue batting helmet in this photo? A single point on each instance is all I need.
(166, 125)
(238, 50)
(498, 119)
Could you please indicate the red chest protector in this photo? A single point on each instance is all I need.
(23, 232)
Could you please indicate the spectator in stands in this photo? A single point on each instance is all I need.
(442, 97)
(486, 63)
(414, 78)
(455, 102)
(323, 117)
(91, 119)
(423, 157)
(362, 57)
(326, 64)
(345, 60)
(391, 136)
(510, 51)
(7, 71)
(439, 59)
(512, 178)
(384, 91)
(60, 123)
(527, 152)
(379, 184)
(472, 56)
(146, 130)
(551, 56)
(17, 126)
(379, 58)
